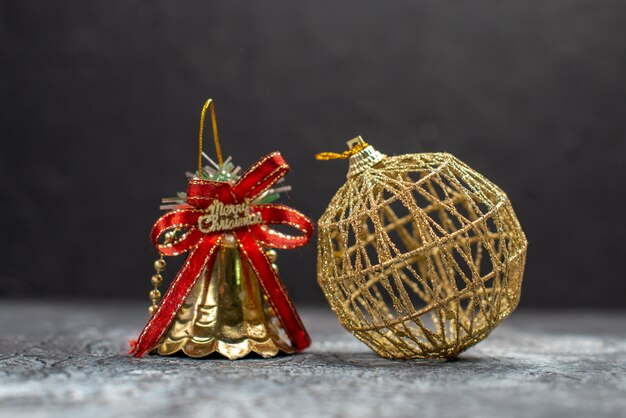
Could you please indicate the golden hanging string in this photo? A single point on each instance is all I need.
(209, 104)
(159, 264)
(356, 145)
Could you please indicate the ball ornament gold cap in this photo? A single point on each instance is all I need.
(363, 159)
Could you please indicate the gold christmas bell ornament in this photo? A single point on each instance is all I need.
(419, 255)
(227, 297)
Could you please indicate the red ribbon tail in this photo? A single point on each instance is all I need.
(277, 295)
(133, 344)
(201, 257)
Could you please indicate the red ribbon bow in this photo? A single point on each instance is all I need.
(250, 240)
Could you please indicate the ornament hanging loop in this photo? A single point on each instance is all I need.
(209, 104)
(355, 145)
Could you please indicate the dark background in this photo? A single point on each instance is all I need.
(100, 102)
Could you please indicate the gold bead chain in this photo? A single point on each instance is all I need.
(157, 279)
(272, 255)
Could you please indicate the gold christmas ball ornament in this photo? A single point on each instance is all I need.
(419, 255)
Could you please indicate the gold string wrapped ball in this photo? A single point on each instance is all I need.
(419, 255)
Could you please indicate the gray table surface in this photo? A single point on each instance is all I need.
(68, 359)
